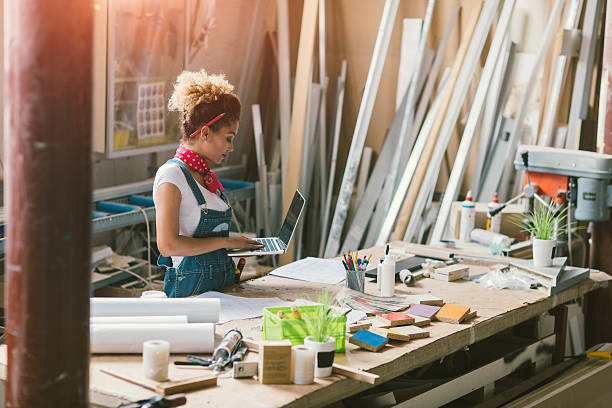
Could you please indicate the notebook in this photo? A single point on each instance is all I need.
(279, 244)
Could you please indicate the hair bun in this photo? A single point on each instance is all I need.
(191, 88)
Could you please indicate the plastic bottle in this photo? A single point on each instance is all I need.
(494, 222)
(229, 344)
(387, 274)
(468, 218)
(378, 274)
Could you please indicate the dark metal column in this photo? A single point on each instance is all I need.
(48, 88)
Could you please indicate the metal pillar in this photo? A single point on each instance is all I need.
(48, 88)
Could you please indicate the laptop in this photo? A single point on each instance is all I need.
(278, 245)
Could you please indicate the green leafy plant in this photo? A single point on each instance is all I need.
(320, 322)
(540, 223)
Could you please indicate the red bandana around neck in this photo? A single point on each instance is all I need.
(184, 154)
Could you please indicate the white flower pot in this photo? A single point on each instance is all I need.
(325, 355)
(542, 251)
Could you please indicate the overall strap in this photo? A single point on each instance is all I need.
(191, 181)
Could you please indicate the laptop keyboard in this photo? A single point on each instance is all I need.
(270, 245)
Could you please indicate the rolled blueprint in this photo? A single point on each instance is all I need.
(128, 339)
(197, 310)
(153, 294)
(137, 319)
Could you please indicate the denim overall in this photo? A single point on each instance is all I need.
(200, 273)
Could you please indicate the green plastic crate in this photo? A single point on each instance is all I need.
(295, 329)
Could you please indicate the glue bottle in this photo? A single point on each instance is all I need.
(387, 275)
(379, 274)
(468, 218)
(493, 222)
(228, 346)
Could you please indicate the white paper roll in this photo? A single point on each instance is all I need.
(155, 359)
(197, 310)
(153, 294)
(303, 364)
(138, 319)
(128, 338)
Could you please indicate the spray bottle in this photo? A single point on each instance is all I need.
(468, 218)
(493, 222)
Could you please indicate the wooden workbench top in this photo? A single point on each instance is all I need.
(497, 310)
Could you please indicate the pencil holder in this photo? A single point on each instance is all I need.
(355, 280)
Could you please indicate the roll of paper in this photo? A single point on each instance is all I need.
(155, 359)
(128, 338)
(197, 310)
(153, 294)
(303, 364)
(138, 319)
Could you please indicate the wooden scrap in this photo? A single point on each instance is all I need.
(167, 387)
(452, 313)
(472, 314)
(275, 362)
(395, 319)
(419, 321)
(426, 311)
(425, 299)
(355, 327)
(368, 340)
(412, 332)
(356, 374)
(245, 369)
(447, 278)
(390, 334)
(456, 271)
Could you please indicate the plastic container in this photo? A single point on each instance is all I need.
(494, 222)
(468, 218)
(387, 275)
(295, 329)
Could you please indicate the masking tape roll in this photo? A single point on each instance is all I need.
(153, 294)
(303, 364)
(155, 359)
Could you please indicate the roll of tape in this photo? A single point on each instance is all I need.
(153, 294)
(155, 359)
(303, 364)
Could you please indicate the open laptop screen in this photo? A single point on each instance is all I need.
(292, 218)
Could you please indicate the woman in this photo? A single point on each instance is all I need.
(193, 216)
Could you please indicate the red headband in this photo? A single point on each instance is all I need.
(216, 118)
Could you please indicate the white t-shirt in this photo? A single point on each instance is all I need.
(189, 211)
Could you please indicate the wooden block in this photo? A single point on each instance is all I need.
(412, 332)
(166, 387)
(355, 327)
(368, 340)
(420, 321)
(451, 273)
(425, 299)
(426, 311)
(395, 319)
(356, 374)
(275, 362)
(245, 369)
(469, 316)
(452, 313)
(390, 334)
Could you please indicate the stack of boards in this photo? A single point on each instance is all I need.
(408, 325)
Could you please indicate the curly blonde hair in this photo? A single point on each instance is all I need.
(199, 97)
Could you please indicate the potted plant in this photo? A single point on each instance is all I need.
(319, 326)
(545, 225)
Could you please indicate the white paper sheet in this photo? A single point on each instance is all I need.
(236, 307)
(313, 270)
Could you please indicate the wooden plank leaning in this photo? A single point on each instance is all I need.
(300, 102)
(584, 73)
(284, 81)
(469, 133)
(422, 151)
(361, 126)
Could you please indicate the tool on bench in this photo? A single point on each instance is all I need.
(158, 401)
(229, 350)
(409, 277)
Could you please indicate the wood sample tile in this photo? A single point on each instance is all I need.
(368, 340)
(452, 313)
(426, 311)
(412, 332)
(391, 334)
(425, 299)
(395, 319)
(451, 273)
(355, 327)
(419, 321)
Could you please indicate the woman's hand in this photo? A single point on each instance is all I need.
(243, 242)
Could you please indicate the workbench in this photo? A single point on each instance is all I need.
(497, 310)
